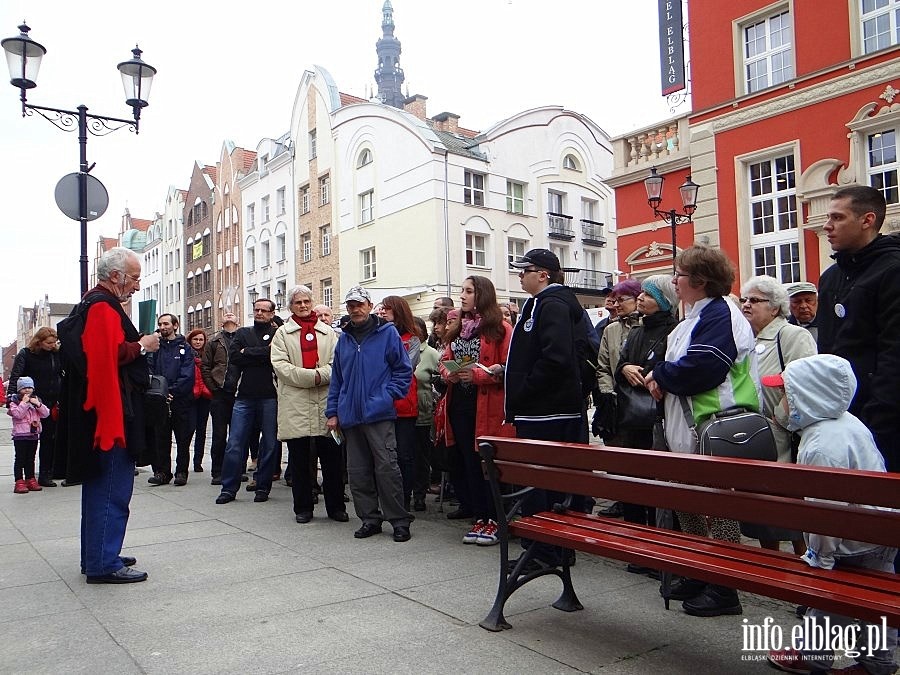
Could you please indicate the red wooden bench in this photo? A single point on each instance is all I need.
(747, 490)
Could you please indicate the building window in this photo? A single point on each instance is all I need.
(366, 207)
(323, 190)
(365, 157)
(473, 192)
(251, 216)
(325, 235)
(312, 144)
(515, 197)
(280, 248)
(265, 209)
(327, 292)
(768, 55)
(207, 280)
(265, 254)
(570, 163)
(880, 24)
(774, 238)
(475, 250)
(562, 253)
(306, 246)
(304, 200)
(881, 163)
(207, 243)
(367, 263)
(280, 201)
(515, 249)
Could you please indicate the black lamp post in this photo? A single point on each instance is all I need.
(279, 299)
(253, 294)
(654, 186)
(23, 56)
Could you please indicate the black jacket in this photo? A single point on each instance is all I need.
(175, 362)
(645, 345)
(542, 372)
(44, 367)
(250, 356)
(864, 287)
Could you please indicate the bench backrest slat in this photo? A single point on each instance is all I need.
(790, 480)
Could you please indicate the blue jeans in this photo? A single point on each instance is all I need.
(248, 415)
(104, 512)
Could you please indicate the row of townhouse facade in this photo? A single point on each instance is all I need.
(791, 101)
(374, 192)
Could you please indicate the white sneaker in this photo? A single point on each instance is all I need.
(488, 534)
(471, 537)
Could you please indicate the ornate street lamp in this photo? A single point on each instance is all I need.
(253, 294)
(279, 299)
(23, 56)
(688, 190)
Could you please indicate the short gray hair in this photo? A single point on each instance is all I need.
(300, 290)
(114, 260)
(772, 289)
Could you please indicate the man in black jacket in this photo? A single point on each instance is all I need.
(859, 318)
(255, 406)
(221, 382)
(175, 362)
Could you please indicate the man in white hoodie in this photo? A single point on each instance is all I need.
(818, 393)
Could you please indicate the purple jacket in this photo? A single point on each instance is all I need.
(24, 416)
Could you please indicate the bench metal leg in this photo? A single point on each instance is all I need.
(567, 601)
(495, 621)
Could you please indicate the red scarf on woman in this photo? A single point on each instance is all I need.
(308, 344)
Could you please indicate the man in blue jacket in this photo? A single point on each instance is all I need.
(371, 370)
(175, 362)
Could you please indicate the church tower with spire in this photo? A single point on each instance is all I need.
(389, 74)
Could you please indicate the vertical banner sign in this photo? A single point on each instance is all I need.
(671, 46)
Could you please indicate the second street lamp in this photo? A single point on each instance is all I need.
(23, 56)
(688, 190)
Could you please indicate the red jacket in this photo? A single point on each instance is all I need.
(200, 388)
(408, 406)
(489, 409)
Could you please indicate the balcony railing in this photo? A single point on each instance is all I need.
(587, 282)
(560, 226)
(592, 232)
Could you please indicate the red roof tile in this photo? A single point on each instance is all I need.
(109, 242)
(210, 171)
(347, 99)
(249, 158)
(141, 224)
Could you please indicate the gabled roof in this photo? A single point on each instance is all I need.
(211, 172)
(347, 99)
(459, 145)
(141, 224)
(60, 308)
(109, 242)
(249, 158)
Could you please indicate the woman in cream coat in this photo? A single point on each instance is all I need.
(302, 354)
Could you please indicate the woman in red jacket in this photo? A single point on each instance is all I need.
(396, 310)
(202, 396)
(472, 364)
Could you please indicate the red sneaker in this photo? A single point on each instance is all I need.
(20, 487)
(32, 485)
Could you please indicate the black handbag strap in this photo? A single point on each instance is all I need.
(778, 345)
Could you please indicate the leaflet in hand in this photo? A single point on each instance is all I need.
(455, 366)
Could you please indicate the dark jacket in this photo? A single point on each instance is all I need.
(368, 376)
(214, 364)
(175, 362)
(44, 367)
(865, 288)
(542, 371)
(250, 356)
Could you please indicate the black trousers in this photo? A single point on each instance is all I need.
(329, 452)
(23, 468)
(220, 408)
(48, 442)
(424, 449)
(182, 422)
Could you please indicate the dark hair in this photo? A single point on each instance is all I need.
(557, 277)
(421, 330)
(34, 345)
(403, 318)
(864, 199)
(438, 315)
(172, 317)
(194, 333)
(486, 305)
(707, 267)
(271, 303)
(445, 301)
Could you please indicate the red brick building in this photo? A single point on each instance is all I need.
(792, 100)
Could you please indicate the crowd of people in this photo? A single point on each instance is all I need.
(383, 406)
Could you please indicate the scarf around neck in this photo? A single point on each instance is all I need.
(309, 347)
(470, 327)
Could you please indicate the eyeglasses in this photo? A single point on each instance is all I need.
(752, 301)
(622, 299)
(136, 280)
(681, 274)
(522, 273)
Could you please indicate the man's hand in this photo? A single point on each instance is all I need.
(655, 391)
(632, 373)
(150, 343)
(332, 423)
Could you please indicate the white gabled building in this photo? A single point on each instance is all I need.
(172, 295)
(269, 222)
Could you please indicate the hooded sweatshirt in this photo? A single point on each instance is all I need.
(819, 390)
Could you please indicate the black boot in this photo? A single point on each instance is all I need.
(714, 601)
(44, 480)
(685, 589)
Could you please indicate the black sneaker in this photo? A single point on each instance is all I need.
(714, 601)
(160, 479)
(180, 479)
(216, 480)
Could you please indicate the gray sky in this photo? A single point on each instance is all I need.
(230, 71)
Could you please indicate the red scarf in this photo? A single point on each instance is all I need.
(308, 343)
